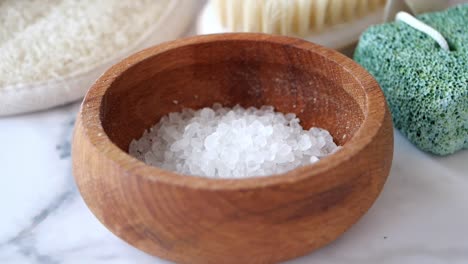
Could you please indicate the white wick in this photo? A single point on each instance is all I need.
(419, 25)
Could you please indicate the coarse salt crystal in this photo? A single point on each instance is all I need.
(221, 142)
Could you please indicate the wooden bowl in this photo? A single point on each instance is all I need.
(191, 219)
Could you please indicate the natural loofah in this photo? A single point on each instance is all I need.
(426, 86)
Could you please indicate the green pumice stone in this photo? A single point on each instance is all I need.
(426, 87)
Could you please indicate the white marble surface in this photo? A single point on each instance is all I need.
(421, 216)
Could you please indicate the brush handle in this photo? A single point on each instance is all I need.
(413, 6)
(424, 6)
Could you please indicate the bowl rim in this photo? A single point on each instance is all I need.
(89, 116)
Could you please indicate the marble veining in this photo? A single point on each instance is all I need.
(421, 216)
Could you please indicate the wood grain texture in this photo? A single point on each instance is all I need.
(255, 220)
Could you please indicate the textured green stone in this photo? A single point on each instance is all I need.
(426, 87)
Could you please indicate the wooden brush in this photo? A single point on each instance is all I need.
(333, 23)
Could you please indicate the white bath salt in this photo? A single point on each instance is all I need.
(48, 39)
(222, 142)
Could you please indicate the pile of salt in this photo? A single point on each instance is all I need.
(221, 142)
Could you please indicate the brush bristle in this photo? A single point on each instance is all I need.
(290, 17)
